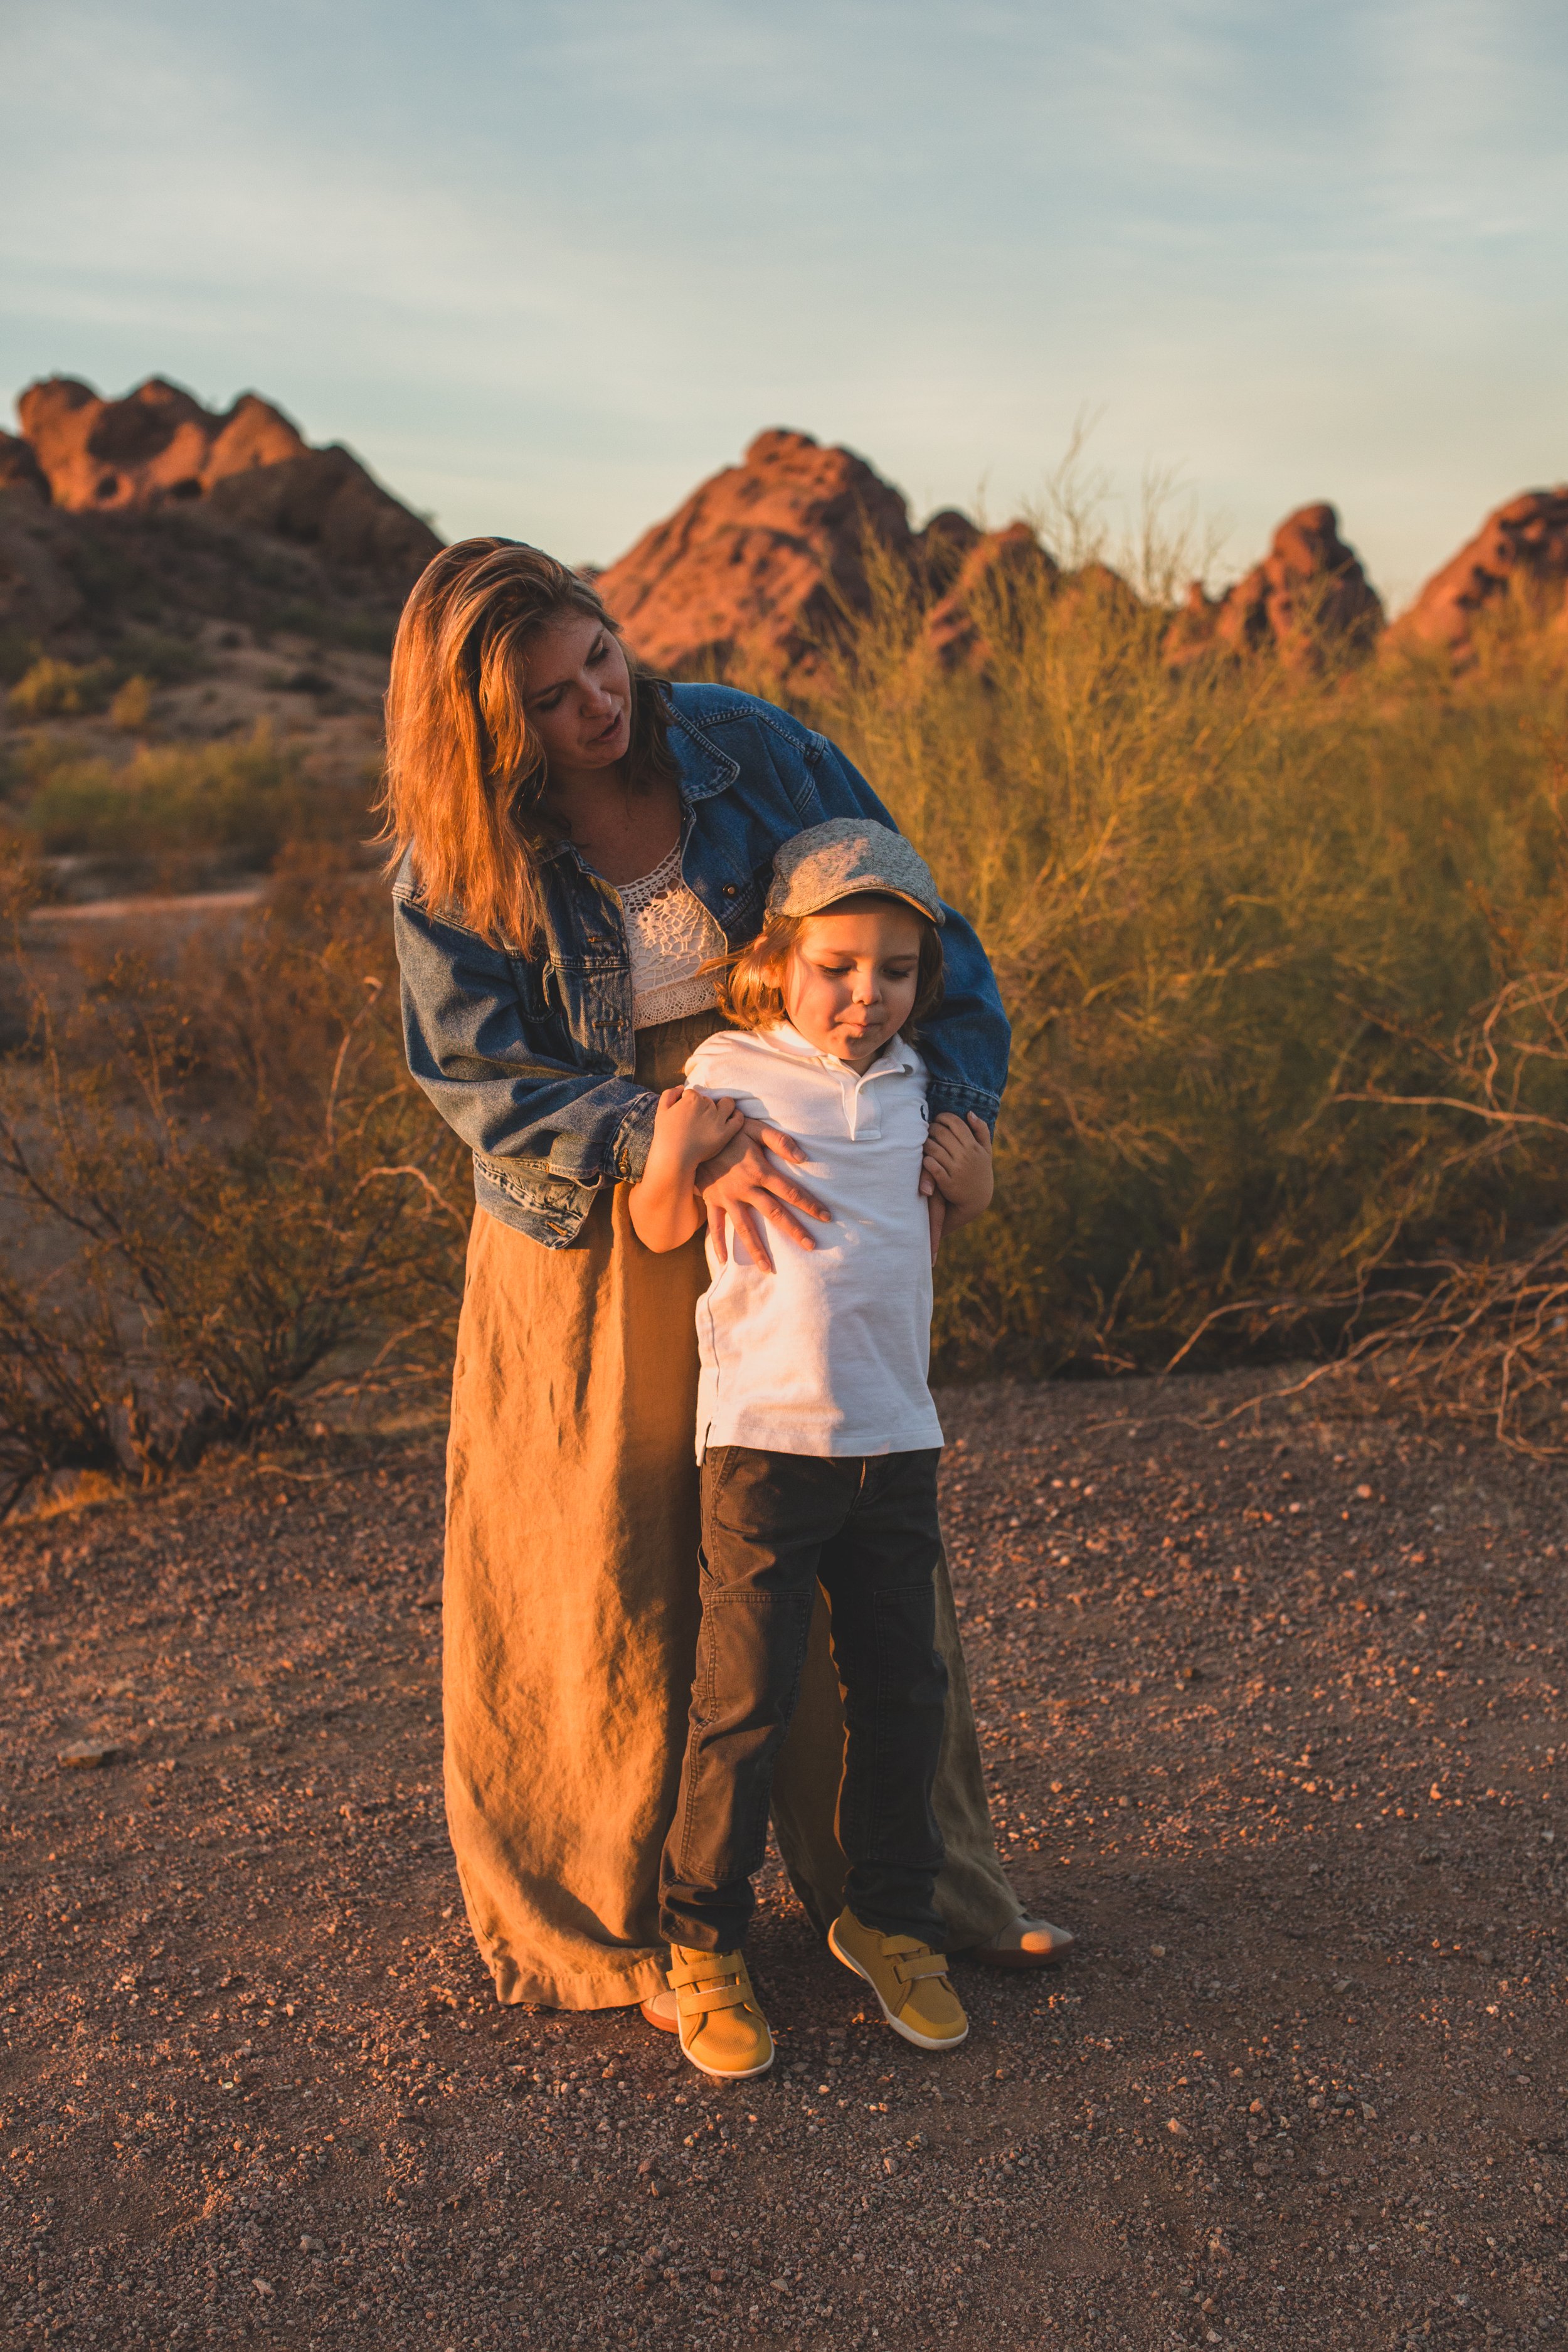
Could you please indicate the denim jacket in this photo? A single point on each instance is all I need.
(530, 1057)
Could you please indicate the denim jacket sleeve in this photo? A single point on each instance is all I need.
(484, 1060)
(964, 1042)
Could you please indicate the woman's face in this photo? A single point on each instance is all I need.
(852, 978)
(578, 695)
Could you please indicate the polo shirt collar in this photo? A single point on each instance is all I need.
(897, 1056)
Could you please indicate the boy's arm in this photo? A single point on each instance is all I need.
(664, 1208)
(688, 1128)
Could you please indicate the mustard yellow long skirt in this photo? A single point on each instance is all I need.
(571, 1618)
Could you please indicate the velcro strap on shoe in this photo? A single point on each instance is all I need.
(700, 2001)
(709, 1970)
(925, 1964)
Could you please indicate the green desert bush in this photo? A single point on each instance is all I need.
(239, 802)
(1225, 907)
(356, 631)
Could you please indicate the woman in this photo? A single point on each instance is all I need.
(573, 840)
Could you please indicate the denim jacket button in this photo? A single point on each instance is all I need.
(729, 889)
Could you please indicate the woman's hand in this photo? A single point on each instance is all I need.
(743, 1184)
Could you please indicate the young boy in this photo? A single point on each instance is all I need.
(816, 1432)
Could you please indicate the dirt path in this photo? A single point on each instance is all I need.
(1271, 1716)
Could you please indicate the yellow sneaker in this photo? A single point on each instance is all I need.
(908, 1979)
(722, 2031)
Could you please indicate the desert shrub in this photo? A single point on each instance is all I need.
(160, 656)
(1221, 906)
(1467, 1332)
(239, 801)
(50, 688)
(18, 652)
(354, 629)
(132, 705)
(236, 1185)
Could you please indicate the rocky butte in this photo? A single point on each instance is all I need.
(160, 448)
(154, 508)
(758, 568)
(1518, 560)
(756, 572)
(1308, 598)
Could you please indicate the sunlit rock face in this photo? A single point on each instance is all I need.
(1000, 569)
(1518, 559)
(1308, 598)
(161, 448)
(764, 563)
(757, 561)
(155, 446)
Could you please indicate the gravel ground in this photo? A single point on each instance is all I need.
(1271, 1706)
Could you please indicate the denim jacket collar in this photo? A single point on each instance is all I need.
(701, 770)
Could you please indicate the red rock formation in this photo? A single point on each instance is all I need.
(18, 468)
(1002, 568)
(39, 591)
(326, 501)
(1520, 552)
(1310, 594)
(758, 563)
(155, 445)
(761, 563)
(159, 447)
(940, 549)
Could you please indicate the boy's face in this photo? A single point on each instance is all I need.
(851, 979)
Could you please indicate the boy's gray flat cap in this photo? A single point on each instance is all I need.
(843, 858)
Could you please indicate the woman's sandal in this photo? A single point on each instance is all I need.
(1024, 1943)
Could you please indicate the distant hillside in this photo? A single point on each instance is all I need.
(156, 513)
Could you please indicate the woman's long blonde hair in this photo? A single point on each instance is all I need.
(464, 772)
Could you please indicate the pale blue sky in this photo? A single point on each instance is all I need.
(545, 265)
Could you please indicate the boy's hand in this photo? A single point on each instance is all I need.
(958, 1161)
(693, 1127)
(688, 1128)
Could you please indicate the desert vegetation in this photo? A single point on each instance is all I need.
(173, 812)
(1283, 944)
(228, 1201)
(1282, 933)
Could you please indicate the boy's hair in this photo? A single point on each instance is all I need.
(746, 984)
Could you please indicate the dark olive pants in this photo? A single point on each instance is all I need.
(774, 1526)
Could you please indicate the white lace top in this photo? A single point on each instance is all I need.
(671, 934)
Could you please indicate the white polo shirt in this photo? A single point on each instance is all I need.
(828, 1353)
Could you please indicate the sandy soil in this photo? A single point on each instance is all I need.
(1271, 1713)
